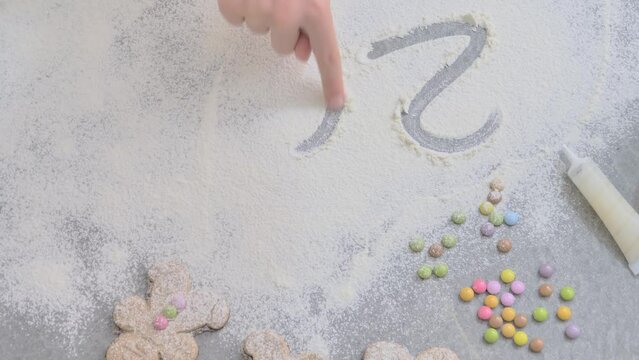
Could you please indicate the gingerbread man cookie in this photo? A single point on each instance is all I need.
(390, 351)
(162, 326)
(269, 345)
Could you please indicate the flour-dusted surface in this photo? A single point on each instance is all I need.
(132, 132)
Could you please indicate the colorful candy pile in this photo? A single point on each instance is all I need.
(509, 321)
(495, 217)
(440, 270)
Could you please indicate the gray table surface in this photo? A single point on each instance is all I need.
(608, 306)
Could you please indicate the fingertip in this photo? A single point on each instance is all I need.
(303, 48)
(336, 101)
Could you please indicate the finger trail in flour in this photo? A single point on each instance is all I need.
(439, 82)
(323, 132)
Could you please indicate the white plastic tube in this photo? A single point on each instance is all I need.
(619, 217)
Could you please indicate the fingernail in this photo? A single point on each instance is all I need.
(336, 102)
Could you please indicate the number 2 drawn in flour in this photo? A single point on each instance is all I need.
(442, 79)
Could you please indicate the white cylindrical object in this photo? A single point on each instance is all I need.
(621, 220)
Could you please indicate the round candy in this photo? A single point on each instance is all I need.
(572, 331)
(564, 313)
(546, 271)
(436, 250)
(507, 299)
(536, 345)
(508, 330)
(417, 244)
(449, 241)
(487, 229)
(491, 301)
(540, 314)
(491, 335)
(179, 301)
(507, 276)
(424, 272)
(508, 313)
(466, 294)
(496, 218)
(567, 293)
(517, 287)
(486, 208)
(497, 184)
(160, 322)
(520, 338)
(495, 321)
(458, 217)
(484, 312)
(494, 197)
(440, 270)
(504, 245)
(511, 218)
(545, 290)
(493, 287)
(170, 312)
(520, 320)
(479, 286)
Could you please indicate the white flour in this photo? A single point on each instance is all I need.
(133, 132)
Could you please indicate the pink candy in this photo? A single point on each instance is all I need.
(517, 287)
(493, 287)
(479, 286)
(484, 312)
(507, 299)
(160, 322)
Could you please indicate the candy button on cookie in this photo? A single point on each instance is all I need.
(170, 312)
(160, 322)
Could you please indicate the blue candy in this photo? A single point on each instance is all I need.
(511, 218)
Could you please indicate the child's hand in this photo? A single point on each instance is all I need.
(299, 26)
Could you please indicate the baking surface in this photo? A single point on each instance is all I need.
(429, 313)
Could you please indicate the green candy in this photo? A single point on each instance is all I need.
(458, 217)
(567, 293)
(540, 314)
(496, 218)
(440, 270)
(417, 245)
(424, 272)
(491, 336)
(170, 312)
(449, 241)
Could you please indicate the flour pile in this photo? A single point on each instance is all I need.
(138, 131)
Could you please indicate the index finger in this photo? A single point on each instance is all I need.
(318, 25)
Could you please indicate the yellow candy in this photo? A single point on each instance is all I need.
(486, 208)
(520, 338)
(491, 301)
(508, 330)
(508, 314)
(466, 294)
(507, 276)
(564, 313)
